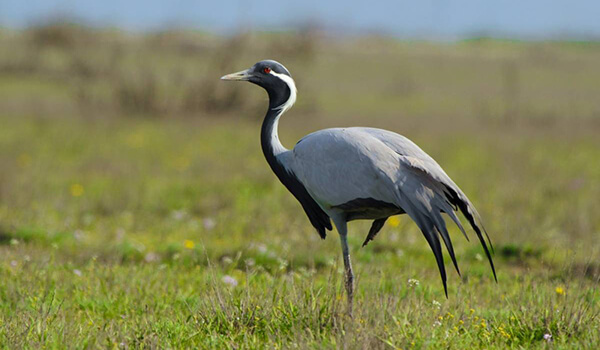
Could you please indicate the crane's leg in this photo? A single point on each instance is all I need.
(343, 230)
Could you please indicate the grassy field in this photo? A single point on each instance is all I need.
(136, 210)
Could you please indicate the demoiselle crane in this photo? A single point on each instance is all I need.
(346, 174)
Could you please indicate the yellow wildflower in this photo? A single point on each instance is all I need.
(76, 190)
(189, 244)
(560, 290)
(394, 221)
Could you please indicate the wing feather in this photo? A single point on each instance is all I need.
(430, 191)
(375, 228)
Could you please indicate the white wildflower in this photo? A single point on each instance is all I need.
(178, 214)
(436, 304)
(151, 257)
(229, 280)
(413, 282)
(548, 337)
(79, 235)
(209, 223)
(77, 272)
(283, 264)
(261, 248)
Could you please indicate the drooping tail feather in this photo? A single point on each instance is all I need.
(468, 210)
(424, 199)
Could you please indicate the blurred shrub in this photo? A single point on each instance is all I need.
(61, 34)
(160, 74)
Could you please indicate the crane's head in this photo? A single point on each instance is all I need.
(273, 77)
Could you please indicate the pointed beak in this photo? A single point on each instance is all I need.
(241, 76)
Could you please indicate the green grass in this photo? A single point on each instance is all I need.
(95, 219)
(127, 230)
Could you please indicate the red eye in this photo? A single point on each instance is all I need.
(267, 70)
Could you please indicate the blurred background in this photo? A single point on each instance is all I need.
(114, 120)
(120, 146)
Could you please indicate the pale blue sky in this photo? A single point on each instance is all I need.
(432, 19)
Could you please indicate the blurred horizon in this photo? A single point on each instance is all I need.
(433, 20)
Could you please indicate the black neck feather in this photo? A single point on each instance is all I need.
(271, 147)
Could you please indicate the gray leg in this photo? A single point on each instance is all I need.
(343, 230)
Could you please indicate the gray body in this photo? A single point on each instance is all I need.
(346, 168)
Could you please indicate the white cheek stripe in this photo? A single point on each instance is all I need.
(292, 86)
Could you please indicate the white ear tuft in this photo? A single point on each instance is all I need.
(293, 91)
